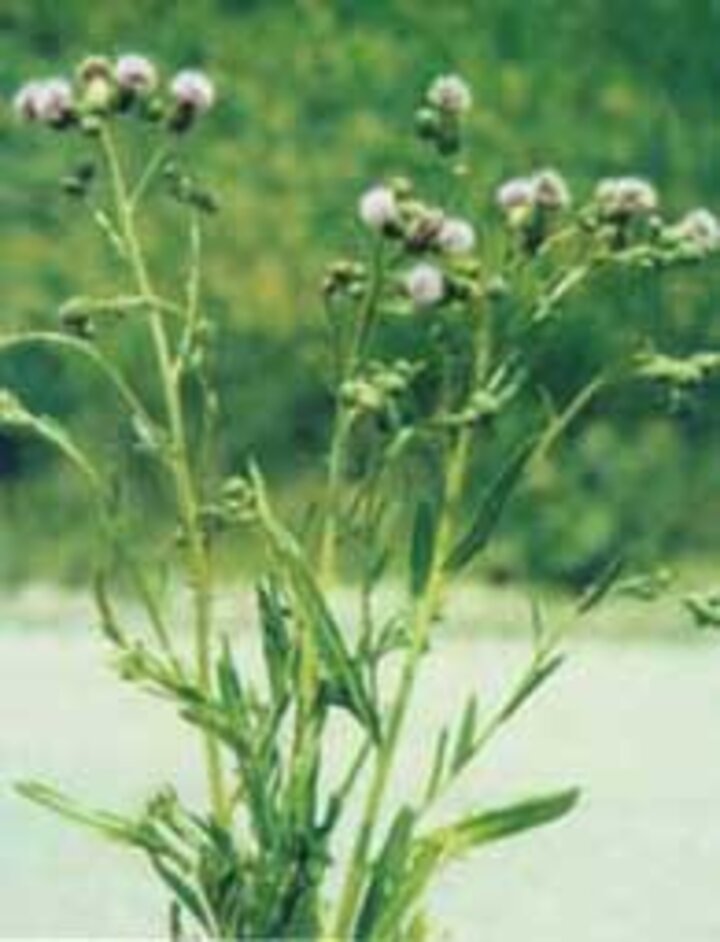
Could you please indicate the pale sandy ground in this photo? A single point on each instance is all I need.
(637, 724)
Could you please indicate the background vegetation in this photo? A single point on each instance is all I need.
(315, 99)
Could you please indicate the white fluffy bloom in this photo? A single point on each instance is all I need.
(25, 102)
(626, 196)
(53, 101)
(700, 228)
(456, 236)
(136, 73)
(49, 101)
(550, 190)
(193, 89)
(515, 194)
(425, 284)
(450, 93)
(378, 208)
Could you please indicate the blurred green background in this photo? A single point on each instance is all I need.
(316, 100)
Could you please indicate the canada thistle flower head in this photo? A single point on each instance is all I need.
(623, 197)
(546, 189)
(700, 229)
(25, 102)
(456, 236)
(378, 208)
(550, 190)
(425, 285)
(48, 101)
(514, 194)
(135, 73)
(450, 94)
(193, 90)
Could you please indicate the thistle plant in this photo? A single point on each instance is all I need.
(430, 331)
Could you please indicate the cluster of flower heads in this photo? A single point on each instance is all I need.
(103, 87)
(393, 212)
(617, 201)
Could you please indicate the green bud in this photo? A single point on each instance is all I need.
(427, 123)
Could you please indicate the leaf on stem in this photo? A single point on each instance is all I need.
(314, 613)
(452, 841)
(422, 546)
(465, 741)
(535, 678)
(488, 514)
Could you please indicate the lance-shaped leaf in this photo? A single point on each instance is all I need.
(540, 672)
(488, 514)
(315, 615)
(452, 841)
(465, 742)
(110, 825)
(422, 546)
(386, 874)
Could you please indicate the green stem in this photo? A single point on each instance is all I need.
(342, 424)
(198, 558)
(423, 615)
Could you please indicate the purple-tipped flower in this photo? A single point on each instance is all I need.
(626, 196)
(54, 102)
(425, 284)
(25, 102)
(699, 228)
(135, 73)
(456, 236)
(451, 94)
(49, 101)
(193, 91)
(378, 208)
(518, 193)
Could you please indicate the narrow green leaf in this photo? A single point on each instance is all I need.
(275, 639)
(386, 872)
(315, 613)
(110, 825)
(604, 584)
(422, 547)
(437, 769)
(465, 741)
(454, 840)
(535, 679)
(185, 893)
(490, 510)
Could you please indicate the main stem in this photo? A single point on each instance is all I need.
(423, 614)
(198, 558)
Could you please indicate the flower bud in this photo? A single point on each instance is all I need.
(450, 94)
(424, 228)
(550, 190)
(98, 91)
(427, 123)
(425, 284)
(378, 208)
(94, 67)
